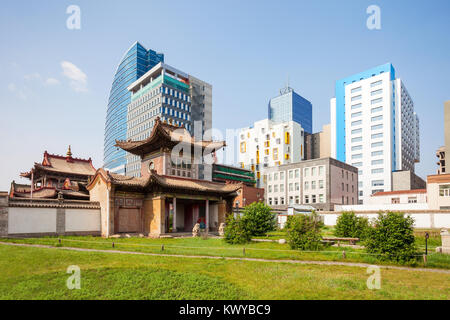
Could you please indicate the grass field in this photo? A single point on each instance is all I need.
(39, 273)
(217, 247)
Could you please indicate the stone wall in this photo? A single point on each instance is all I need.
(3, 215)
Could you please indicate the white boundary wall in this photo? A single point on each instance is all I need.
(82, 220)
(31, 220)
(422, 220)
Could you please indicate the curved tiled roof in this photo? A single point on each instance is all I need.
(167, 182)
(63, 164)
(166, 134)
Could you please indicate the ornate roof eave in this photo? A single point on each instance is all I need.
(159, 138)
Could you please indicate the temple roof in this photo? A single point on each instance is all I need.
(63, 164)
(166, 135)
(166, 182)
(24, 191)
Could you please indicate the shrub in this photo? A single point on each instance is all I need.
(392, 237)
(303, 231)
(259, 218)
(236, 230)
(349, 225)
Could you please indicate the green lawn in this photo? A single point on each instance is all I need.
(39, 273)
(218, 247)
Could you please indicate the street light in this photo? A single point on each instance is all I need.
(426, 243)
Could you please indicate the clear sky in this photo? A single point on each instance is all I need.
(55, 82)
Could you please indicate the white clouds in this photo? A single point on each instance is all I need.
(78, 79)
(32, 76)
(18, 92)
(51, 82)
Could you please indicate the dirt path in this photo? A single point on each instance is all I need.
(327, 263)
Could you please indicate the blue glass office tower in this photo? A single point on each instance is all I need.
(289, 106)
(136, 61)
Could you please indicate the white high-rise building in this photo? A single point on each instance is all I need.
(374, 128)
(268, 144)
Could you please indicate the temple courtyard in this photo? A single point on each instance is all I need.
(196, 268)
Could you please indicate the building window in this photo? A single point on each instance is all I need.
(313, 198)
(321, 170)
(378, 170)
(320, 184)
(313, 185)
(355, 90)
(356, 106)
(243, 148)
(306, 199)
(375, 101)
(377, 83)
(321, 198)
(412, 199)
(306, 185)
(377, 183)
(377, 118)
(444, 190)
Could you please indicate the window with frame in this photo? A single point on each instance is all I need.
(444, 190)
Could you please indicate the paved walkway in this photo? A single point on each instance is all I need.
(327, 263)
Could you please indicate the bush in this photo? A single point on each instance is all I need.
(259, 218)
(393, 238)
(348, 225)
(303, 231)
(236, 230)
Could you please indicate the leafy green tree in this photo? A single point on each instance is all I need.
(304, 231)
(349, 225)
(393, 238)
(236, 230)
(259, 218)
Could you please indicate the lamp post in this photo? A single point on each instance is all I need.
(426, 243)
(236, 209)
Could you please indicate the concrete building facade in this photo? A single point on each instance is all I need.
(267, 144)
(317, 145)
(321, 183)
(374, 127)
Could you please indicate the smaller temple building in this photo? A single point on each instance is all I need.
(56, 176)
(168, 197)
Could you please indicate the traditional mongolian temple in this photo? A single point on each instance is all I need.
(168, 197)
(56, 176)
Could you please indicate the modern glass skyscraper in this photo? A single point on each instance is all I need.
(289, 106)
(136, 61)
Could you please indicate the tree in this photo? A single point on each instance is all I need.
(259, 218)
(304, 231)
(349, 225)
(392, 237)
(236, 230)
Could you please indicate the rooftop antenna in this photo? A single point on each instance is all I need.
(287, 88)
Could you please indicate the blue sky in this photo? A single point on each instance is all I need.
(55, 82)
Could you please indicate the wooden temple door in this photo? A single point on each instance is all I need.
(129, 220)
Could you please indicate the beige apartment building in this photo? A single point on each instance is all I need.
(321, 183)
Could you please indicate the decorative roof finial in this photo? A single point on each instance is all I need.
(69, 153)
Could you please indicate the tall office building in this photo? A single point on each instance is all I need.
(374, 128)
(289, 106)
(175, 97)
(136, 61)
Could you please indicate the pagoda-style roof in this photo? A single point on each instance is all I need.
(156, 181)
(24, 191)
(166, 135)
(62, 165)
